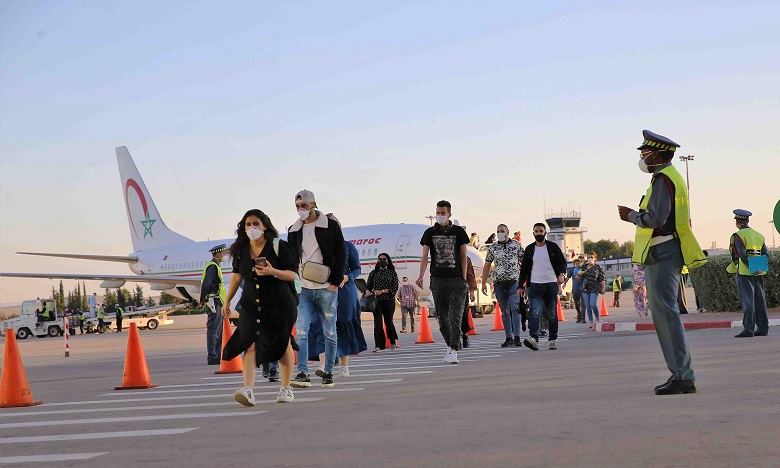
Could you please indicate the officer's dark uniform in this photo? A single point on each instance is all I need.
(745, 244)
(213, 294)
(119, 316)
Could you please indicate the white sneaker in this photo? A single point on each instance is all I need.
(446, 357)
(453, 357)
(285, 395)
(553, 344)
(319, 372)
(245, 396)
(344, 371)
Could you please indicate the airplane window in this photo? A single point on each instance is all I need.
(375, 251)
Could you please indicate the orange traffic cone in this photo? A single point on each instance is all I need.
(472, 328)
(387, 338)
(561, 317)
(295, 353)
(425, 329)
(14, 388)
(498, 324)
(136, 373)
(234, 365)
(603, 311)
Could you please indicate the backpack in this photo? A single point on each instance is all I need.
(297, 282)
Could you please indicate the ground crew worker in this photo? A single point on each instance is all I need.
(80, 320)
(664, 243)
(617, 286)
(745, 244)
(100, 316)
(213, 294)
(119, 316)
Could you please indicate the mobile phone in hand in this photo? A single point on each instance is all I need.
(261, 262)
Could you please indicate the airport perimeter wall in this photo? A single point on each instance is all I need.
(717, 290)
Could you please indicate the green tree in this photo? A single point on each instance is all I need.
(605, 248)
(109, 299)
(84, 303)
(138, 296)
(123, 297)
(149, 302)
(166, 298)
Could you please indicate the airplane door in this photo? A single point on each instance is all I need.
(401, 262)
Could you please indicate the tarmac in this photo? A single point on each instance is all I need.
(589, 403)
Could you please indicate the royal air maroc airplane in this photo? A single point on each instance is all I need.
(168, 261)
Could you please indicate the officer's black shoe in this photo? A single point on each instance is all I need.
(665, 383)
(760, 333)
(744, 334)
(466, 343)
(676, 387)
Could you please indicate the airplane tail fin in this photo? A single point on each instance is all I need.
(147, 229)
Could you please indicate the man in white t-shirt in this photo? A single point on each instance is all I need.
(543, 270)
(319, 244)
(93, 303)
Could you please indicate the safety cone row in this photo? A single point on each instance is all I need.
(498, 324)
(14, 388)
(234, 365)
(472, 328)
(603, 311)
(424, 336)
(136, 374)
(559, 310)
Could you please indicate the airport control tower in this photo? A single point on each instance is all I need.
(564, 230)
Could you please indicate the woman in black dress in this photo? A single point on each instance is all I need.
(383, 283)
(268, 301)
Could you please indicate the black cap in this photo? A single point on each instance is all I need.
(218, 248)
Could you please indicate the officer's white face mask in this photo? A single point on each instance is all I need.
(643, 166)
(254, 233)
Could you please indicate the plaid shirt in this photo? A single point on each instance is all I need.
(408, 295)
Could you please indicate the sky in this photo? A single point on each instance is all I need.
(507, 109)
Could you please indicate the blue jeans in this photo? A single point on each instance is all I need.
(323, 302)
(590, 303)
(544, 298)
(507, 300)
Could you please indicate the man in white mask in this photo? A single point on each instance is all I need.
(505, 256)
(319, 244)
(212, 293)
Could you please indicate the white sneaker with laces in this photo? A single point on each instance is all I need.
(245, 396)
(447, 355)
(285, 395)
(344, 371)
(453, 357)
(553, 344)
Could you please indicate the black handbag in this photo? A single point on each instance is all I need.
(368, 303)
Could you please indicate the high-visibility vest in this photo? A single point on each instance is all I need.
(100, 313)
(617, 285)
(119, 313)
(693, 257)
(222, 291)
(754, 242)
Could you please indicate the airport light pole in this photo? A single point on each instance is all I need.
(773, 235)
(430, 218)
(688, 185)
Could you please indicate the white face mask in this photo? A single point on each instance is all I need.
(442, 219)
(501, 236)
(643, 166)
(304, 214)
(254, 233)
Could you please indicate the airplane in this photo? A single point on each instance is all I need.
(168, 261)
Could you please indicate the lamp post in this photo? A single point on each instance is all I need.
(773, 235)
(430, 218)
(688, 185)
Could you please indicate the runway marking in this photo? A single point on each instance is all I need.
(51, 458)
(141, 408)
(99, 435)
(421, 361)
(376, 374)
(199, 390)
(158, 417)
(239, 382)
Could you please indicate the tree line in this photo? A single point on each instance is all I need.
(77, 298)
(606, 248)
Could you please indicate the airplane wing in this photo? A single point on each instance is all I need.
(152, 279)
(101, 258)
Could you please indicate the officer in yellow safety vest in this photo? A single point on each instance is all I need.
(100, 316)
(664, 243)
(213, 294)
(745, 244)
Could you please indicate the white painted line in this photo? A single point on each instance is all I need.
(736, 324)
(158, 417)
(432, 359)
(99, 435)
(625, 327)
(189, 390)
(272, 384)
(377, 374)
(51, 458)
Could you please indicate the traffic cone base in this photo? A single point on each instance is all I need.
(233, 366)
(498, 324)
(14, 389)
(424, 336)
(136, 374)
(472, 328)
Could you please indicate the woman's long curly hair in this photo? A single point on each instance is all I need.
(389, 262)
(242, 239)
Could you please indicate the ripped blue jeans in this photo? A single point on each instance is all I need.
(322, 302)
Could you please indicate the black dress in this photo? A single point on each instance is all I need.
(268, 306)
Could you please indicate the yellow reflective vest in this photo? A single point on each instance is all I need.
(693, 257)
(222, 291)
(754, 242)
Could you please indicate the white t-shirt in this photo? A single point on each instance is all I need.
(542, 270)
(311, 253)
